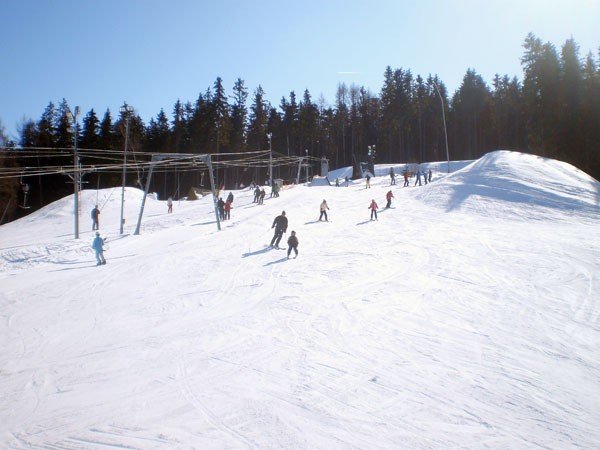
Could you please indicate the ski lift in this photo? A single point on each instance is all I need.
(25, 189)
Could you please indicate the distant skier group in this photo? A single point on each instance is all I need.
(280, 223)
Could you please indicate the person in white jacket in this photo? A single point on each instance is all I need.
(324, 209)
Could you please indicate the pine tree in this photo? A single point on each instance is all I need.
(64, 126)
(239, 116)
(341, 125)
(45, 128)
(90, 129)
(257, 125)
(570, 139)
(179, 135)
(106, 138)
(471, 115)
(308, 116)
(290, 123)
(222, 125)
(590, 113)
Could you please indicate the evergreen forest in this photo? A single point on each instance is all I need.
(553, 111)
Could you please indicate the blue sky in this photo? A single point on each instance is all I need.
(97, 54)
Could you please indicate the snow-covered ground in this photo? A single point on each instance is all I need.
(465, 317)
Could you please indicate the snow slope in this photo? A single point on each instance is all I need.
(466, 316)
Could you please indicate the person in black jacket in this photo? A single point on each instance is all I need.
(293, 245)
(280, 224)
(221, 208)
(95, 218)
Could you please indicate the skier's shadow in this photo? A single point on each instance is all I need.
(257, 252)
(362, 223)
(276, 261)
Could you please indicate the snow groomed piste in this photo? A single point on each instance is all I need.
(466, 316)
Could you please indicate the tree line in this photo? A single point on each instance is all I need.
(553, 112)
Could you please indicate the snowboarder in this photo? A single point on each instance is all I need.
(97, 245)
(323, 209)
(170, 205)
(368, 181)
(280, 224)
(373, 207)
(227, 210)
(261, 196)
(392, 176)
(95, 218)
(292, 245)
(389, 196)
(221, 208)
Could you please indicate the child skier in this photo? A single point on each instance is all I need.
(389, 196)
(373, 207)
(293, 245)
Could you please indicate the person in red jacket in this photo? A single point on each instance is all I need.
(389, 196)
(227, 210)
(373, 207)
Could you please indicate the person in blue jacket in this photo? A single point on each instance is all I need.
(98, 246)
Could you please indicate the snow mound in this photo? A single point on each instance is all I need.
(319, 181)
(507, 184)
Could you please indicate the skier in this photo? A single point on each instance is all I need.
(346, 180)
(406, 183)
(292, 245)
(275, 190)
(256, 194)
(337, 182)
(227, 210)
(280, 224)
(170, 205)
(323, 209)
(430, 175)
(261, 196)
(221, 208)
(373, 207)
(389, 196)
(97, 245)
(230, 198)
(95, 218)
(392, 176)
(368, 181)
(425, 176)
(418, 174)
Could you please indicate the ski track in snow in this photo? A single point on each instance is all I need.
(467, 316)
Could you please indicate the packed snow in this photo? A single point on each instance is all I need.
(466, 316)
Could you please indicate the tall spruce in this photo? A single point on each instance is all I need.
(90, 137)
(257, 124)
